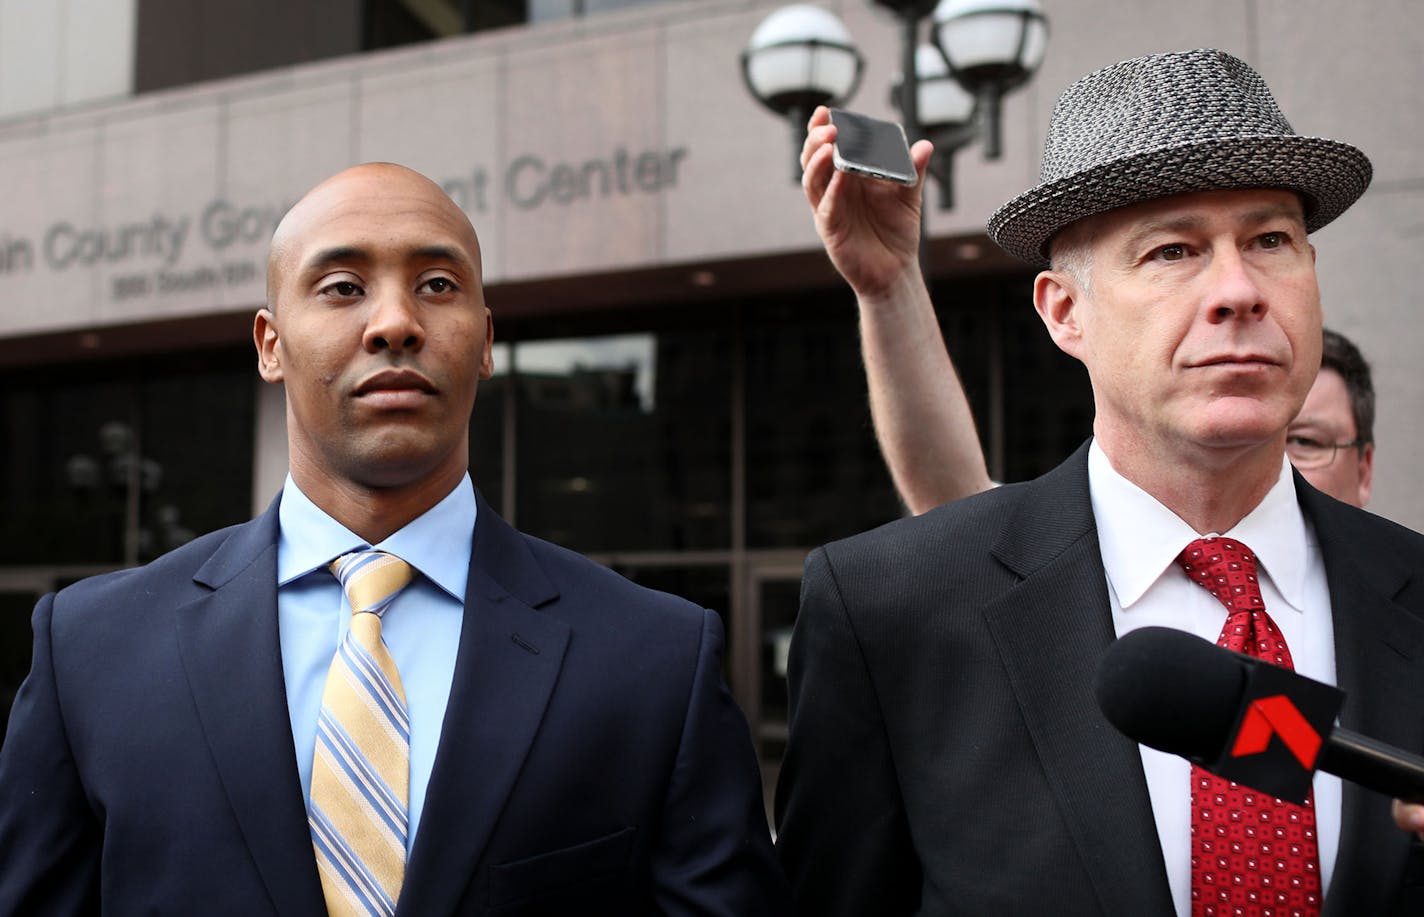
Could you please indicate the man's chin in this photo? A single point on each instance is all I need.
(396, 463)
(1241, 423)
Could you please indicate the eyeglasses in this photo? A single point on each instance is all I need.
(1306, 453)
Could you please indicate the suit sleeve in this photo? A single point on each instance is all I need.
(714, 856)
(843, 837)
(49, 837)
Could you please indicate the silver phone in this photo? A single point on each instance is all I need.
(873, 147)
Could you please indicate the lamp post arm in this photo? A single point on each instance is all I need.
(942, 168)
(798, 116)
(910, 109)
(910, 77)
(990, 100)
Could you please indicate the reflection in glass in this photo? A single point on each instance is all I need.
(1048, 401)
(814, 471)
(779, 599)
(544, 10)
(15, 643)
(487, 430)
(624, 441)
(709, 586)
(118, 463)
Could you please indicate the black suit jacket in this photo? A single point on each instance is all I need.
(591, 759)
(947, 754)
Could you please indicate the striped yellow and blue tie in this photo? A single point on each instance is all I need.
(361, 771)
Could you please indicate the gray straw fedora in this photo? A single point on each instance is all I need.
(1170, 124)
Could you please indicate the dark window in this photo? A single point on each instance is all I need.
(178, 42)
(391, 23)
(15, 644)
(709, 586)
(623, 440)
(814, 471)
(117, 463)
(541, 10)
(1048, 401)
(487, 431)
(388, 23)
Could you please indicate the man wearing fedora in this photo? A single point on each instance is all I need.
(946, 751)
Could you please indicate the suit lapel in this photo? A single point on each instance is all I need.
(1051, 631)
(506, 667)
(233, 661)
(1378, 645)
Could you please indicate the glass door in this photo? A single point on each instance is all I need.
(773, 589)
(18, 595)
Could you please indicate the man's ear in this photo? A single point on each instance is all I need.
(1056, 297)
(269, 349)
(1367, 473)
(487, 358)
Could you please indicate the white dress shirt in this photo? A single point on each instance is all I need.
(1140, 540)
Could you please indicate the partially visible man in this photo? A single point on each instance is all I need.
(1332, 439)
(870, 230)
(483, 723)
(946, 752)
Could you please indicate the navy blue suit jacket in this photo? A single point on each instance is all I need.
(591, 761)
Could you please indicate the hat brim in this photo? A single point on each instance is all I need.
(1329, 175)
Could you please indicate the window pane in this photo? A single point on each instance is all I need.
(65, 504)
(708, 586)
(487, 431)
(99, 455)
(194, 454)
(15, 644)
(543, 10)
(1048, 401)
(778, 600)
(814, 471)
(624, 440)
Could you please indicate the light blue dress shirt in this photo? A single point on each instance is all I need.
(422, 626)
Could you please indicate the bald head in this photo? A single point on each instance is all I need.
(370, 190)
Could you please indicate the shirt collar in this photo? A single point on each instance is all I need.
(1139, 537)
(437, 543)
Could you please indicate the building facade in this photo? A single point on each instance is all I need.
(678, 390)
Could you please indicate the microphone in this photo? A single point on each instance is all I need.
(1241, 718)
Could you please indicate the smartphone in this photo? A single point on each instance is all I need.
(870, 146)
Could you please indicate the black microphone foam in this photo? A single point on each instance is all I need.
(1172, 691)
(1178, 693)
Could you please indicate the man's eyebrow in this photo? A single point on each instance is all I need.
(440, 253)
(341, 254)
(1268, 212)
(348, 254)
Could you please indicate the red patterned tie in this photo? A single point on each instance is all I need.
(1252, 854)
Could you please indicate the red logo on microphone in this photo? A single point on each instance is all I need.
(1278, 704)
(1276, 715)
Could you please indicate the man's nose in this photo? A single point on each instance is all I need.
(1234, 290)
(394, 323)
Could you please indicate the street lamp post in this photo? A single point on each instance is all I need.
(799, 57)
(909, 13)
(991, 47)
(945, 112)
(117, 480)
(802, 56)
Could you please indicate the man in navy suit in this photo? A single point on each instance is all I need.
(572, 747)
(946, 752)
